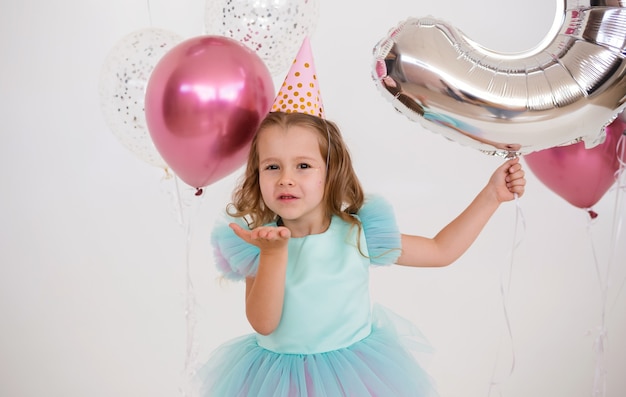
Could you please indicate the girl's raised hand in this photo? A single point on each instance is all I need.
(264, 237)
(508, 180)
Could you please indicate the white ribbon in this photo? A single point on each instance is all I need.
(620, 186)
(599, 379)
(180, 204)
(600, 342)
(494, 385)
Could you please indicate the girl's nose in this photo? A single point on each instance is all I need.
(285, 179)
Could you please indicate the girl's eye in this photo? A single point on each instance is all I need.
(303, 166)
(271, 167)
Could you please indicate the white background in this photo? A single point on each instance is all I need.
(94, 258)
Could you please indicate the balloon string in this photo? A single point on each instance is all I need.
(178, 202)
(149, 13)
(174, 196)
(494, 385)
(599, 345)
(185, 220)
(617, 212)
(191, 351)
(599, 380)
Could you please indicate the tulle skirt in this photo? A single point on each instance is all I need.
(384, 364)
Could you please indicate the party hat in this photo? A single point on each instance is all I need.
(300, 92)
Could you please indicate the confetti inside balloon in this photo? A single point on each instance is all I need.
(123, 81)
(274, 29)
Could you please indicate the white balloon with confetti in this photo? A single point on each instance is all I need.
(274, 29)
(122, 88)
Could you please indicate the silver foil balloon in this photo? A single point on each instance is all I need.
(565, 90)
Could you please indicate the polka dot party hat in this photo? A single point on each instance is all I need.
(300, 92)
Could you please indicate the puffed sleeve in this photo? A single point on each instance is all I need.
(235, 259)
(382, 235)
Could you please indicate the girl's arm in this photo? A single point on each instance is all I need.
(454, 239)
(265, 292)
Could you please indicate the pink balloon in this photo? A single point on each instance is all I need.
(580, 176)
(204, 101)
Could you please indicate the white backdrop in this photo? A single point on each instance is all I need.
(94, 255)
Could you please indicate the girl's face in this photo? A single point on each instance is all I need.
(292, 173)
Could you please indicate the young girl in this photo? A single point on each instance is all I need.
(303, 236)
(305, 257)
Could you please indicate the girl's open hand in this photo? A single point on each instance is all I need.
(508, 180)
(267, 238)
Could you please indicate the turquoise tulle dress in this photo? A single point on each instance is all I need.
(330, 341)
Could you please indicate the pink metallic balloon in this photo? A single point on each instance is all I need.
(580, 176)
(204, 101)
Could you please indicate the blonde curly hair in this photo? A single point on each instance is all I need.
(343, 194)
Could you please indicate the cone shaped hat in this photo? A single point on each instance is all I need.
(300, 91)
